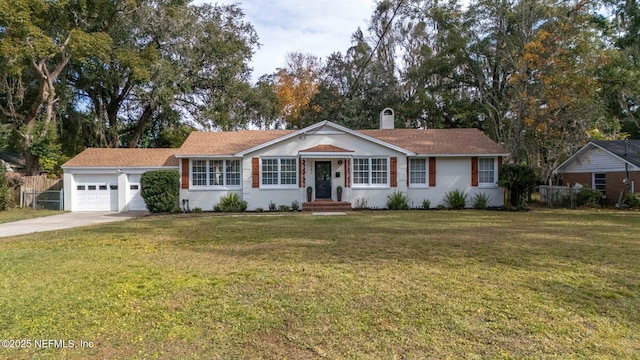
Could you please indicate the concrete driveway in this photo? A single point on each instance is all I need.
(64, 221)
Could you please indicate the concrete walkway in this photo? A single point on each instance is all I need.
(64, 221)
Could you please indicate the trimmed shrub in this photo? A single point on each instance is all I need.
(284, 208)
(160, 190)
(295, 205)
(480, 201)
(272, 206)
(455, 199)
(397, 201)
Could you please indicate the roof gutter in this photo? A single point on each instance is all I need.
(463, 155)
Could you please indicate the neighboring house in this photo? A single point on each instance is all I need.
(612, 166)
(265, 166)
(12, 161)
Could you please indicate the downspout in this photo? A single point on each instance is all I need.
(626, 165)
(627, 179)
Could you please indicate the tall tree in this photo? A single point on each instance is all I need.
(331, 101)
(499, 29)
(620, 70)
(295, 85)
(558, 92)
(438, 85)
(38, 39)
(170, 57)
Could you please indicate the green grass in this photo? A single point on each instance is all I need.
(382, 285)
(15, 214)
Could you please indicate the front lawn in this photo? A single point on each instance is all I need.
(378, 285)
(15, 214)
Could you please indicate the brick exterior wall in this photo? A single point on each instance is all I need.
(615, 185)
(614, 182)
(577, 178)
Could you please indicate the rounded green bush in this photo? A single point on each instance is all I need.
(160, 190)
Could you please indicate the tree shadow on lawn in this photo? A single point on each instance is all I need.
(589, 267)
(519, 241)
(486, 243)
(585, 268)
(486, 239)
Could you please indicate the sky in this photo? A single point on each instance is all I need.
(317, 27)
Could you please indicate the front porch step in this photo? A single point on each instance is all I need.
(326, 206)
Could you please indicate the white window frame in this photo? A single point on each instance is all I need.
(209, 175)
(280, 170)
(356, 169)
(193, 173)
(424, 172)
(494, 183)
(594, 186)
(227, 165)
(370, 173)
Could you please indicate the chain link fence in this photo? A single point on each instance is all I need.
(50, 200)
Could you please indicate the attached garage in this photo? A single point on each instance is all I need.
(134, 194)
(96, 193)
(109, 179)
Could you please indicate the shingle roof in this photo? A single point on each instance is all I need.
(439, 141)
(419, 141)
(12, 157)
(628, 150)
(227, 142)
(124, 157)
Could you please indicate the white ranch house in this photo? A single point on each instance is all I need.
(265, 166)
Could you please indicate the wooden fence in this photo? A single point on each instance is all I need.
(40, 183)
(35, 184)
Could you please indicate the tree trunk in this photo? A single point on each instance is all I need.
(142, 123)
(32, 164)
(46, 95)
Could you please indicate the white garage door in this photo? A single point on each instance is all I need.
(136, 202)
(94, 197)
(93, 193)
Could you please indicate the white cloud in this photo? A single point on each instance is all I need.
(318, 27)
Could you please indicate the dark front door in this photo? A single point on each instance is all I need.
(323, 179)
